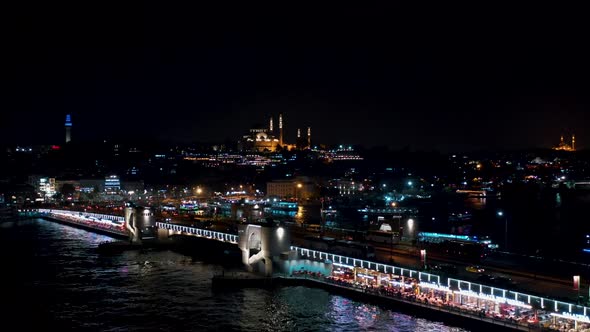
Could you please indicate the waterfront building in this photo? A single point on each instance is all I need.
(300, 188)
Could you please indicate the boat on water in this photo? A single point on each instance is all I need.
(282, 208)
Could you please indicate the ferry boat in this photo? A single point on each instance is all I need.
(284, 206)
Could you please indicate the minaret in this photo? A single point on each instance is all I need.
(309, 137)
(68, 126)
(271, 127)
(298, 132)
(573, 142)
(561, 139)
(281, 129)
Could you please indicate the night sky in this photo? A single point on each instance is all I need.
(370, 76)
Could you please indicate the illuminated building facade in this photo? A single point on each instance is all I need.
(566, 147)
(47, 187)
(112, 184)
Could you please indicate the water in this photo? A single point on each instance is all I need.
(53, 278)
(545, 221)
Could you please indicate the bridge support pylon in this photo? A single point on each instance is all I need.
(262, 245)
(140, 222)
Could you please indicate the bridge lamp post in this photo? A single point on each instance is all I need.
(411, 226)
(500, 214)
(199, 192)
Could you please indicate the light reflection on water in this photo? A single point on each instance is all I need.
(477, 203)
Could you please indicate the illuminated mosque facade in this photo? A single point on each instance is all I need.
(266, 139)
(563, 146)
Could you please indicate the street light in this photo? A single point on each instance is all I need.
(299, 185)
(500, 214)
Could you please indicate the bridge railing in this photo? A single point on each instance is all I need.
(206, 233)
(357, 262)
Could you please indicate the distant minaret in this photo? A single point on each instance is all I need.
(68, 126)
(309, 137)
(281, 129)
(271, 127)
(561, 139)
(574, 142)
(298, 132)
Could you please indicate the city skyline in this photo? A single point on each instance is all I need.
(292, 133)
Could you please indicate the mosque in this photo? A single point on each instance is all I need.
(265, 139)
(566, 147)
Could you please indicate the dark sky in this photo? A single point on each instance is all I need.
(373, 76)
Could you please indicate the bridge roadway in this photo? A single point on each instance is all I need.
(428, 280)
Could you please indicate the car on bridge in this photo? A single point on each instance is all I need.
(475, 269)
(443, 269)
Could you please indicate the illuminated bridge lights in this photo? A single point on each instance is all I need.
(576, 317)
(84, 215)
(219, 236)
(495, 298)
(456, 286)
(103, 222)
(356, 262)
